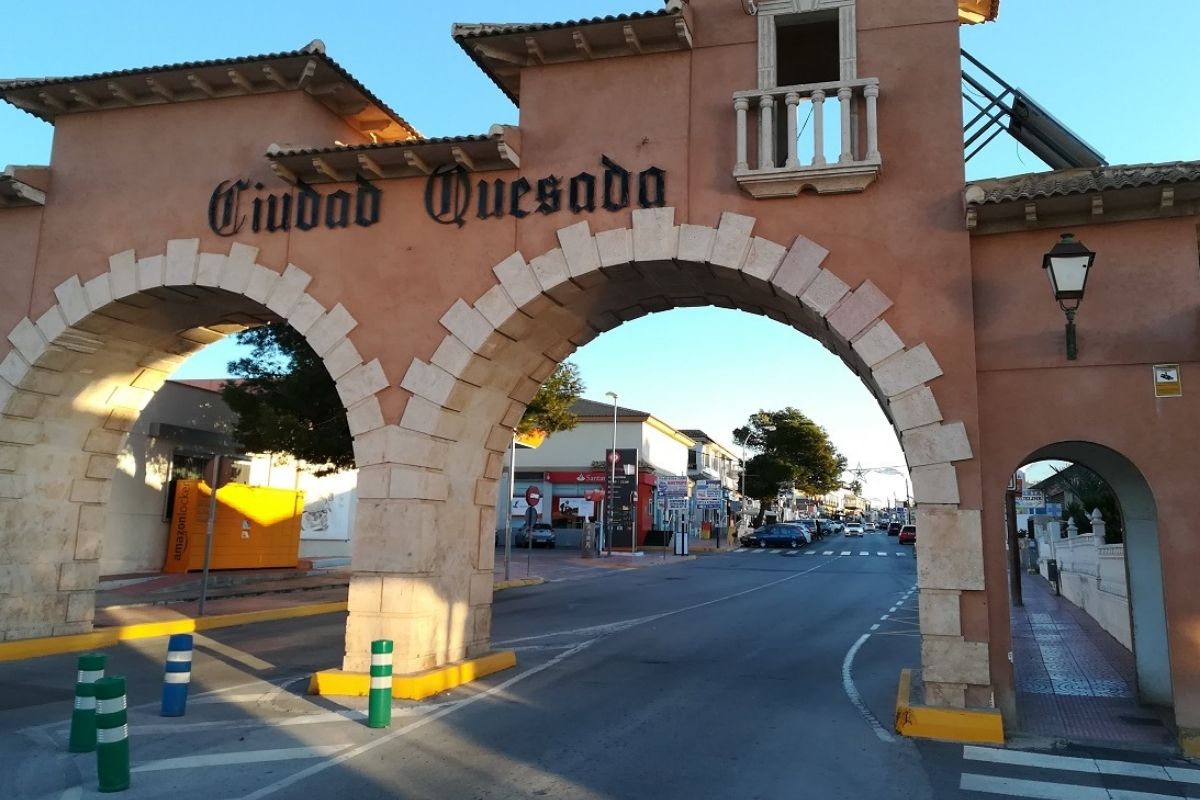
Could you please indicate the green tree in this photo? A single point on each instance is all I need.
(286, 402)
(550, 409)
(1089, 491)
(793, 453)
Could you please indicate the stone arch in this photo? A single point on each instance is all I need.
(77, 378)
(444, 458)
(1143, 560)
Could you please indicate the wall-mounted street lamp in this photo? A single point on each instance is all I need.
(1067, 265)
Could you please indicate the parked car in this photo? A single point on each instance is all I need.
(908, 534)
(830, 526)
(807, 528)
(781, 534)
(542, 535)
(894, 528)
(854, 529)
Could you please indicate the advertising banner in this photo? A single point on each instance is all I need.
(570, 509)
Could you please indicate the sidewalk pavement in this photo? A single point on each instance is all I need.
(1075, 681)
(139, 598)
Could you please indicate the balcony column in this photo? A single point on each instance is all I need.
(766, 132)
(845, 95)
(741, 105)
(871, 92)
(792, 99)
(818, 101)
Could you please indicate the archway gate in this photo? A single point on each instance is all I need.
(428, 483)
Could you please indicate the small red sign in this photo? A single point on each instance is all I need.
(533, 495)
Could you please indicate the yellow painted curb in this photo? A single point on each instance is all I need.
(107, 637)
(1189, 742)
(500, 586)
(947, 724)
(417, 686)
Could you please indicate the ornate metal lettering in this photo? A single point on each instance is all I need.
(491, 199)
(652, 188)
(616, 182)
(367, 202)
(451, 187)
(308, 207)
(549, 195)
(224, 218)
(337, 210)
(583, 193)
(520, 188)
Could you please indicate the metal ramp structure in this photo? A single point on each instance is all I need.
(1003, 108)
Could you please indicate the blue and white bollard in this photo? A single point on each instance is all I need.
(177, 676)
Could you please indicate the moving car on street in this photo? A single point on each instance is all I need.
(780, 534)
(908, 535)
(893, 528)
(542, 535)
(854, 529)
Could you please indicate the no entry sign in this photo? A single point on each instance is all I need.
(533, 495)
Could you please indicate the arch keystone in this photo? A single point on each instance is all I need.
(182, 255)
(579, 251)
(864, 305)
(732, 240)
(906, 370)
(936, 444)
(655, 237)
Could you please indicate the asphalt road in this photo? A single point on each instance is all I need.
(744, 675)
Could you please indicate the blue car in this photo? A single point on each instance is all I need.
(782, 534)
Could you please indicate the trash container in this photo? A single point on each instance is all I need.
(1052, 573)
(681, 543)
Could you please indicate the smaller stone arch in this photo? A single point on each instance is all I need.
(98, 354)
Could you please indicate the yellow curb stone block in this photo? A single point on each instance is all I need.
(417, 686)
(971, 726)
(107, 637)
(500, 586)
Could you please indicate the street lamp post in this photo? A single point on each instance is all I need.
(1068, 265)
(612, 474)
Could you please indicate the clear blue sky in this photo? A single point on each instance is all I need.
(1119, 75)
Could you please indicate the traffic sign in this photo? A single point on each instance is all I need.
(533, 495)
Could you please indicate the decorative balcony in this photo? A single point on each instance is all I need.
(801, 144)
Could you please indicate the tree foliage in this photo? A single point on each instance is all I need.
(550, 408)
(286, 402)
(1088, 491)
(792, 452)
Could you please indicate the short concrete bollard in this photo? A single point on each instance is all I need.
(83, 717)
(379, 702)
(178, 675)
(112, 735)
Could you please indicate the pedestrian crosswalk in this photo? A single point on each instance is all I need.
(992, 772)
(785, 551)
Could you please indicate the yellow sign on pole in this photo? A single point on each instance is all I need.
(1167, 381)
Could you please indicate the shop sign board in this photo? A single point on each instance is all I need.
(672, 486)
(620, 496)
(709, 494)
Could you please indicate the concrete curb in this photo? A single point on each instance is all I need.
(516, 583)
(968, 726)
(412, 687)
(107, 637)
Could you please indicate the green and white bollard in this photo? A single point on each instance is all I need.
(379, 703)
(112, 735)
(83, 718)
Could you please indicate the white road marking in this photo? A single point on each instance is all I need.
(776, 552)
(885, 616)
(881, 554)
(246, 757)
(875, 627)
(740, 550)
(855, 697)
(1073, 764)
(232, 653)
(1043, 790)
(864, 553)
(892, 610)
(845, 552)
(827, 553)
(900, 554)
(810, 552)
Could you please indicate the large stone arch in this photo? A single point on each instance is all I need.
(79, 374)
(437, 471)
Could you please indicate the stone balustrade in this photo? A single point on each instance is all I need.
(1092, 574)
(801, 143)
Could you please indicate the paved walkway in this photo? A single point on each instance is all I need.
(1074, 680)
